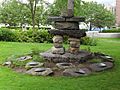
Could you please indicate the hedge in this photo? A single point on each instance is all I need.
(111, 31)
(39, 36)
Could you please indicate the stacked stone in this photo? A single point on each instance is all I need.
(58, 47)
(65, 25)
(74, 45)
(68, 25)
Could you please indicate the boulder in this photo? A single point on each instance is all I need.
(24, 58)
(67, 25)
(58, 45)
(101, 66)
(7, 63)
(57, 39)
(40, 71)
(75, 72)
(64, 65)
(58, 50)
(74, 44)
(30, 65)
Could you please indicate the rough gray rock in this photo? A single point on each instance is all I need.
(101, 66)
(40, 71)
(58, 50)
(75, 19)
(24, 58)
(74, 39)
(73, 50)
(58, 45)
(30, 65)
(8, 63)
(67, 25)
(56, 19)
(65, 65)
(70, 33)
(57, 39)
(66, 57)
(74, 44)
(66, 18)
(75, 72)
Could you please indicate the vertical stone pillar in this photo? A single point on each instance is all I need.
(58, 47)
(74, 45)
(70, 11)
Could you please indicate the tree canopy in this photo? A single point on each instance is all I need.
(15, 12)
(35, 12)
(95, 13)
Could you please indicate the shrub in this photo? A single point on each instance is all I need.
(40, 36)
(111, 31)
(88, 41)
(7, 35)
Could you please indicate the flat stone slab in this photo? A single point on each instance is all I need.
(65, 65)
(71, 33)
(7, 63)
(75, 19)
(101, 66)
(56, 18)
(33, 64)
(76, 72)
(67, 57)
(40, 71)
(66, 19)
(24, 58)
(67, 25)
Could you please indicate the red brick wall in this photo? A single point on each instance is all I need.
(118, 12)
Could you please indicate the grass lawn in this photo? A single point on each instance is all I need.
(106, 80)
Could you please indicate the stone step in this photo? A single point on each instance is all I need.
(66, 19)
(70, 33)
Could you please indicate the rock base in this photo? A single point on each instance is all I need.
(81, 56)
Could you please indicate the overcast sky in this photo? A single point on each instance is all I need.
(108, 2)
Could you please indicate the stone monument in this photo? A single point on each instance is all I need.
(66, 24)
(63, 62)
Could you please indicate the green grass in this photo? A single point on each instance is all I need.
(106, 80)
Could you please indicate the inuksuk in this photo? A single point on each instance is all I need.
(66, 25)
(66, 62)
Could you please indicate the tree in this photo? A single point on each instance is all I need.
(95, 13)
(32, 5)
(13, 13)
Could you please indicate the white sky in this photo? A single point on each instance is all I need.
(108, 2)
(51, 1)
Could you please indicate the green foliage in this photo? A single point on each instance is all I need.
(35, 53)
(57, 7)
(13, 13)
(95, 13)
(111, 31)
(41, 36)
(7, 35)
(88, 41)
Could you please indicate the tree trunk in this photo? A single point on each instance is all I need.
(33, 11)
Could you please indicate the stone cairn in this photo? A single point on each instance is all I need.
(67, 62)
(67, 24)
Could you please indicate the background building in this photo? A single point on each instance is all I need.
(117, 12)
